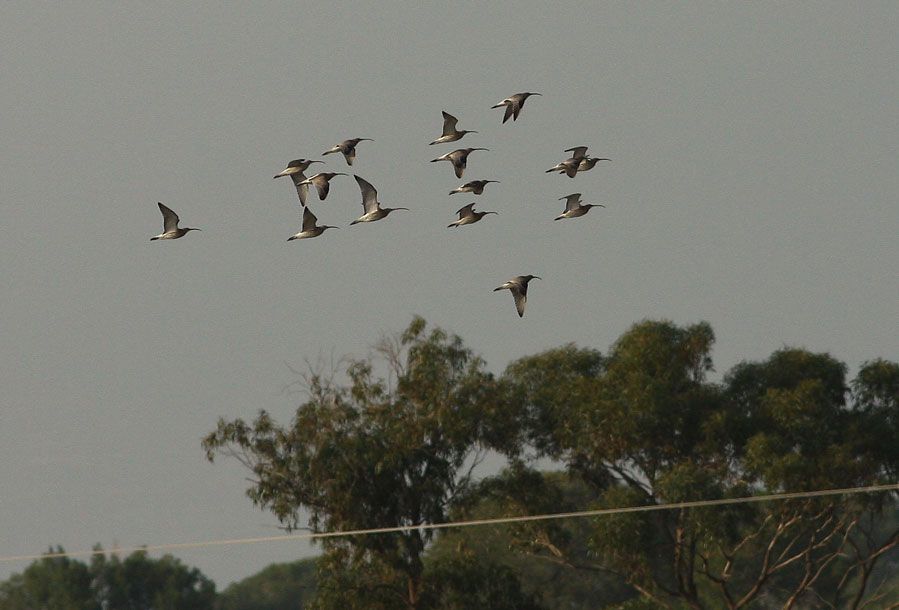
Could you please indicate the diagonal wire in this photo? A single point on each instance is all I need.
(469, 523)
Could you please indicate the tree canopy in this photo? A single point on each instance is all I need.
(137, 582)
(640, 425)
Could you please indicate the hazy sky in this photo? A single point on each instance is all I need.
(753, 184)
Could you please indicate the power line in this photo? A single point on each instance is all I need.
(470, 523)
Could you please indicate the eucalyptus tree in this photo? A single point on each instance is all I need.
(383, 450)
(643, 425)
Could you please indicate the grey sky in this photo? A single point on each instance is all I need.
(753, 184)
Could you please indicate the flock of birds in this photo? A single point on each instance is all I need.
(579, 161)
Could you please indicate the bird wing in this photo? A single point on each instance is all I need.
(511, 108)
(302, 189)
(578, 152)
(350, 155)
(572, 201)
(449, 123)
(571, 167)
(169, 218)
(520, 294)
(369, 195)
(464, 211)
(309, 220)
(459, 164)
(323, 186)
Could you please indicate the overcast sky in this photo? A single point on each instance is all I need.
(753, 184)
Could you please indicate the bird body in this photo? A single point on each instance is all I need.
(459, 159)
(574, 207)
(348, 148)
(321, 182)
(297, 166)
(170, 225)
(450, 133)
(513, 105)
(310, 229)
(518, 286)
(468, 216)
(568, 167)
(370, 204)
(295, 169)
(475, 186)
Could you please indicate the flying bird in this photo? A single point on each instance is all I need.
(587, 163)
(567, 167)
(518, 286)
(513, 105)
(348, 148)
(574, 207)
(370, 203)
(475, 186)
(321, 182)
(450, 133)
(459, 159)
(468, 216)
(170, 225)
(571, 165)
(309, 227)
(295, 169)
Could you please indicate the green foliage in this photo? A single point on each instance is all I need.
(638, 426)
(135, 583)
(283, 586)
(650, 429)
(460, 583)
(139, 582)
(52, 583)
(551, 581)
(381, 452)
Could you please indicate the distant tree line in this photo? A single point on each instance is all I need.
(139, 582)
(107, 583)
